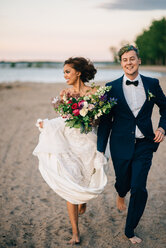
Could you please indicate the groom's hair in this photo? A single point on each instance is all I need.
(127, 48)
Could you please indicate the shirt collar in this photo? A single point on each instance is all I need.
(125, 78)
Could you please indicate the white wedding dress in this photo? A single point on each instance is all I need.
(69, 161)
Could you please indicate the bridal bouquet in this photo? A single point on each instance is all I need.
(83, 112)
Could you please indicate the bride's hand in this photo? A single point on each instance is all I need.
(94, 123)
(39, 123)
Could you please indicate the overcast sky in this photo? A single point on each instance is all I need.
(135, 5)
(58, 29)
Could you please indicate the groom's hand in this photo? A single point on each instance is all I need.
(159, 135)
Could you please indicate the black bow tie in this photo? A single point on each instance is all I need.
(135, 83)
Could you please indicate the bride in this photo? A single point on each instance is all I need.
(68, 160)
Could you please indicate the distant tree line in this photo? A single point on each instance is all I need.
(151, 44)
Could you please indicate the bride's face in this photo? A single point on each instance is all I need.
(71, 75)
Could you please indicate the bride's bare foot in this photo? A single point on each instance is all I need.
(135, 240)
(75, 239)
(120, 202)
(82, 208)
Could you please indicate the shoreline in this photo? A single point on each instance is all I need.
(18, 84)
(153, 71)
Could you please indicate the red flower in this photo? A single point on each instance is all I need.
(76, 112)
(74, 106)
(70, 101)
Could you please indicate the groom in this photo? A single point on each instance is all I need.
(132, 140)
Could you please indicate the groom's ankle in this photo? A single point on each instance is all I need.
(129, 233)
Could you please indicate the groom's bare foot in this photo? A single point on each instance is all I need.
(75, 239)
(120, 202)
(82, 208)
(135, 240)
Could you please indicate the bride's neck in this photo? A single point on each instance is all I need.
(79, 86)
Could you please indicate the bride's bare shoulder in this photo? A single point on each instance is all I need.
(64, 92)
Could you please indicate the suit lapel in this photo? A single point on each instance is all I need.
(145, 86)
(146, 93)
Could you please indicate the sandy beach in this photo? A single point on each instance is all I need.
(32, 215)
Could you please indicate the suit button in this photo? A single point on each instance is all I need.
(132, 132)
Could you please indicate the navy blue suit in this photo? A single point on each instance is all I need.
(132, 159)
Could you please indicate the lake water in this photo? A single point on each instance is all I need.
(55, 75)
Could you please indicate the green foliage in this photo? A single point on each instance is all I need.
(13, 64)
(152, 43)
(114, 52)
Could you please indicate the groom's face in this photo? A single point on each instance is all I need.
(130, 64)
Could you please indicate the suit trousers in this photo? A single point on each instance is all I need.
(131, 175)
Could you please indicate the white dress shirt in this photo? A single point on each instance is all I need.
(135, 97)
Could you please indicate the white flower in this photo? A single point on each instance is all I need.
(83, 111)
(55, 100)
(86, 98)
(85, 104)
(150, 95)
(98, 114)
(102, 90)
(104, 110)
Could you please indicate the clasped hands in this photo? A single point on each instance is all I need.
(159, 135)
(94, 123)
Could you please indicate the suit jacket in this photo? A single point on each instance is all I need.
(122, 123)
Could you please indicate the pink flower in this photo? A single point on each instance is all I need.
(76, 112)
(74, 106)
(91, 106)
(80, 104)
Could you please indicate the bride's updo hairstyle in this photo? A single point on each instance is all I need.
(84, 66)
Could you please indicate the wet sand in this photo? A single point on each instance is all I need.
(32, 215)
